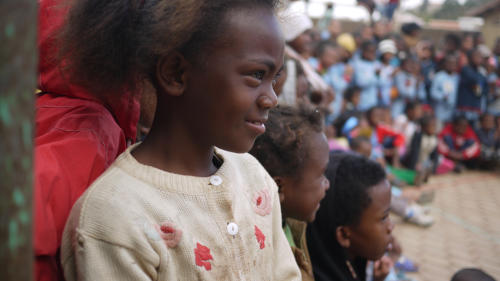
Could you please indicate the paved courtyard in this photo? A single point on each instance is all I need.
(467, 228)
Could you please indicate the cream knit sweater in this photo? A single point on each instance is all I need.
(139, 223)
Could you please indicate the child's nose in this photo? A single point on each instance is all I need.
(390, 227)
(268, 100)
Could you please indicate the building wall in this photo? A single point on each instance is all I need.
(491, 27)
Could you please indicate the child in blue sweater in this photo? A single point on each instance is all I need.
(406, 83)
(444, 90)
(366, 71)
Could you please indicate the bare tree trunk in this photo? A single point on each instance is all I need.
(18, 62)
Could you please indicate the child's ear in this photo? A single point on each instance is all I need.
(343, 236)
(171, 73)
(279, 182)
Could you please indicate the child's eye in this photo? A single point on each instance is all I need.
(276, 77)
(259, 74)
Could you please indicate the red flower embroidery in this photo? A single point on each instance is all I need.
(202, 255)
(169, 233)
(261, 238)
(262, 202)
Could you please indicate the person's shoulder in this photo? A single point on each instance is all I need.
(115, 196)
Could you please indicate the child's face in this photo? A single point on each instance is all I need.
(461, 127)
(375, 117)
(369, 53)
(387, 57)
(302, 193)
(451, 65)
(468, 43)
(430, 128)
(415, 113)
(365, 149)
(229, 95)
(370, 239)
(409, 66)
(302, 44)
(477, 58)
(356, 98)
(488, 122)
(329, 57)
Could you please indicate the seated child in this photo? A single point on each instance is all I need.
(352, 225)
(459, 143)
(489, 138)
(408, 123)
(444, 90)
(187, 203)
(295, 153)
(384, 136)
(422, 155)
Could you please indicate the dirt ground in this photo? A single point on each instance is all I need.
(467, 228)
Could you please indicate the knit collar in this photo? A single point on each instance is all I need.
(175, 182)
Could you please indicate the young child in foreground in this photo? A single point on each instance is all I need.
(352, 225)
(183, 204)
(294, 151)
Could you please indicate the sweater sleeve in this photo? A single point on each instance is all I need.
(95, 259)
(285, 267)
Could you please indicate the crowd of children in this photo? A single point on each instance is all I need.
(223, 78)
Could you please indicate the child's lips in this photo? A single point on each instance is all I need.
(258, 126)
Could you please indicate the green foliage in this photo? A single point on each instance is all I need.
(452, 9)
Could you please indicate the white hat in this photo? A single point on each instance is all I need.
(387, 46)
(294, 23)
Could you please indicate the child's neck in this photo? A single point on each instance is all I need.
(171, 147)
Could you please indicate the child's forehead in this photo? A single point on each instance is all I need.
(248, 27)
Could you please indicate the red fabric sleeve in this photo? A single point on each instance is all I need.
(64, 167)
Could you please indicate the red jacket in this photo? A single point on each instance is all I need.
(77, 137)
(468, 143)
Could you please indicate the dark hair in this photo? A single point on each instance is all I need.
(454, 39)
(348, 194)
(110, 46)
(426, 120)
(406, 60)
(356, 142)
(367, 44)
(409, 28)
(412, 105)
(350, 92)
(281, 149)
(459, 118)
(471, 274)
(322, 46)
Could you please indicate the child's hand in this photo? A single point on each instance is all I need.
(381, 268)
